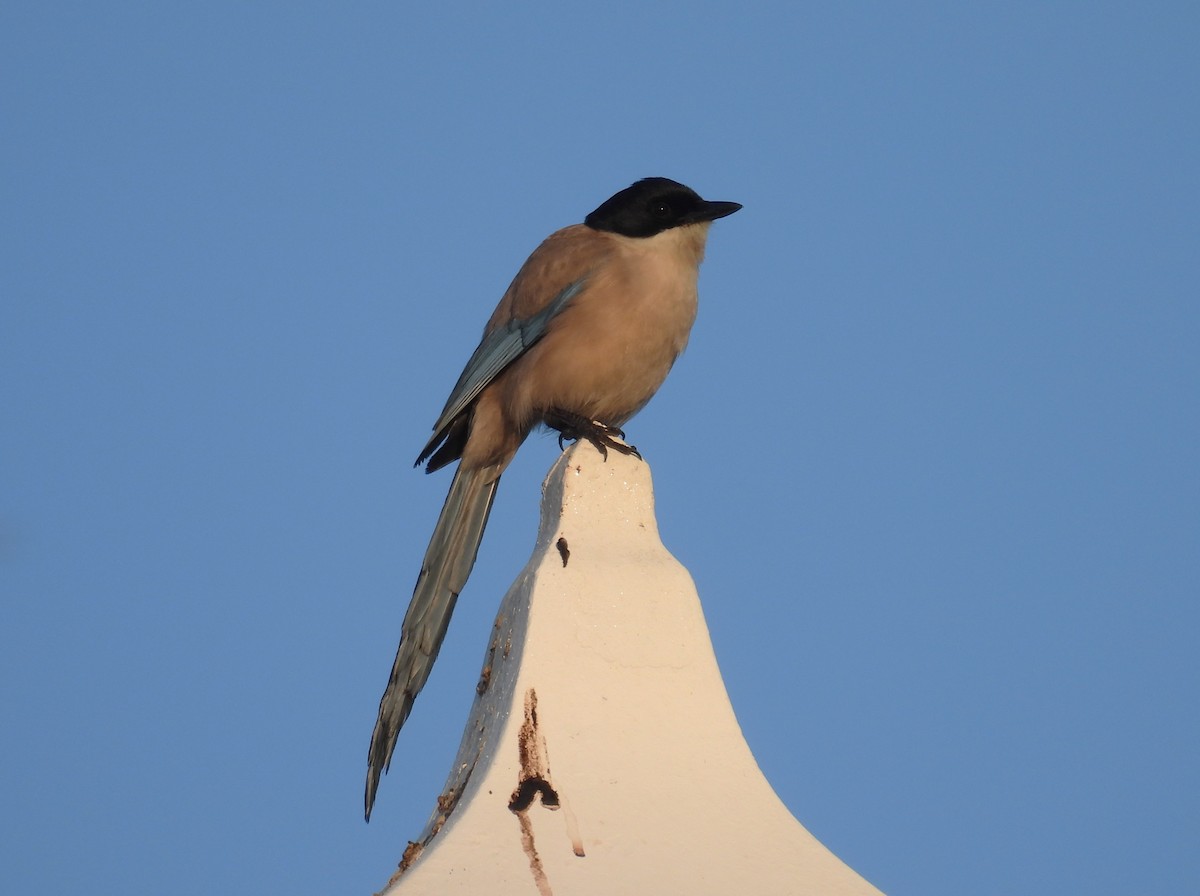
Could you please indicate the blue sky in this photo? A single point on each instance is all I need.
(931, 456)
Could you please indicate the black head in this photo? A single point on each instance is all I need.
(653, 205)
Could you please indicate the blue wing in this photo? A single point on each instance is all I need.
(496, 351)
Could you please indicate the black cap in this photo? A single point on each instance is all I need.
(655, 204)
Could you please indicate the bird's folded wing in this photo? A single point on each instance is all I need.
(496, 351)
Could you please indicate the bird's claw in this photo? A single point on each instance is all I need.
(601, 435)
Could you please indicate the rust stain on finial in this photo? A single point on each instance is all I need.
(534, 783)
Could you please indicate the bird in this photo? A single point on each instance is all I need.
(581, 340)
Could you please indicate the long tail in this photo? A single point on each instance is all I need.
(448, 562)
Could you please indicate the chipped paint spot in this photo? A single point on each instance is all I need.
(411, 852)
(485, 678)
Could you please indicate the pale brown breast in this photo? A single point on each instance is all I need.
(609, 351)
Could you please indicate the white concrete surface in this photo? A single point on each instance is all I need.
(602, 755)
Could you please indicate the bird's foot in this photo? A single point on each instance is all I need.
(601, 435)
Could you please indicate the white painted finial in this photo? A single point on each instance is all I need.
(602, 756)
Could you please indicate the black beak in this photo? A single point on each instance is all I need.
(710, 211)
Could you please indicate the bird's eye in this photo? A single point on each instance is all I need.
(660, 209)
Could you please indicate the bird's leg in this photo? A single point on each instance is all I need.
(601, 435)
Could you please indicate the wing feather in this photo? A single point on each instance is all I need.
(497, 350)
